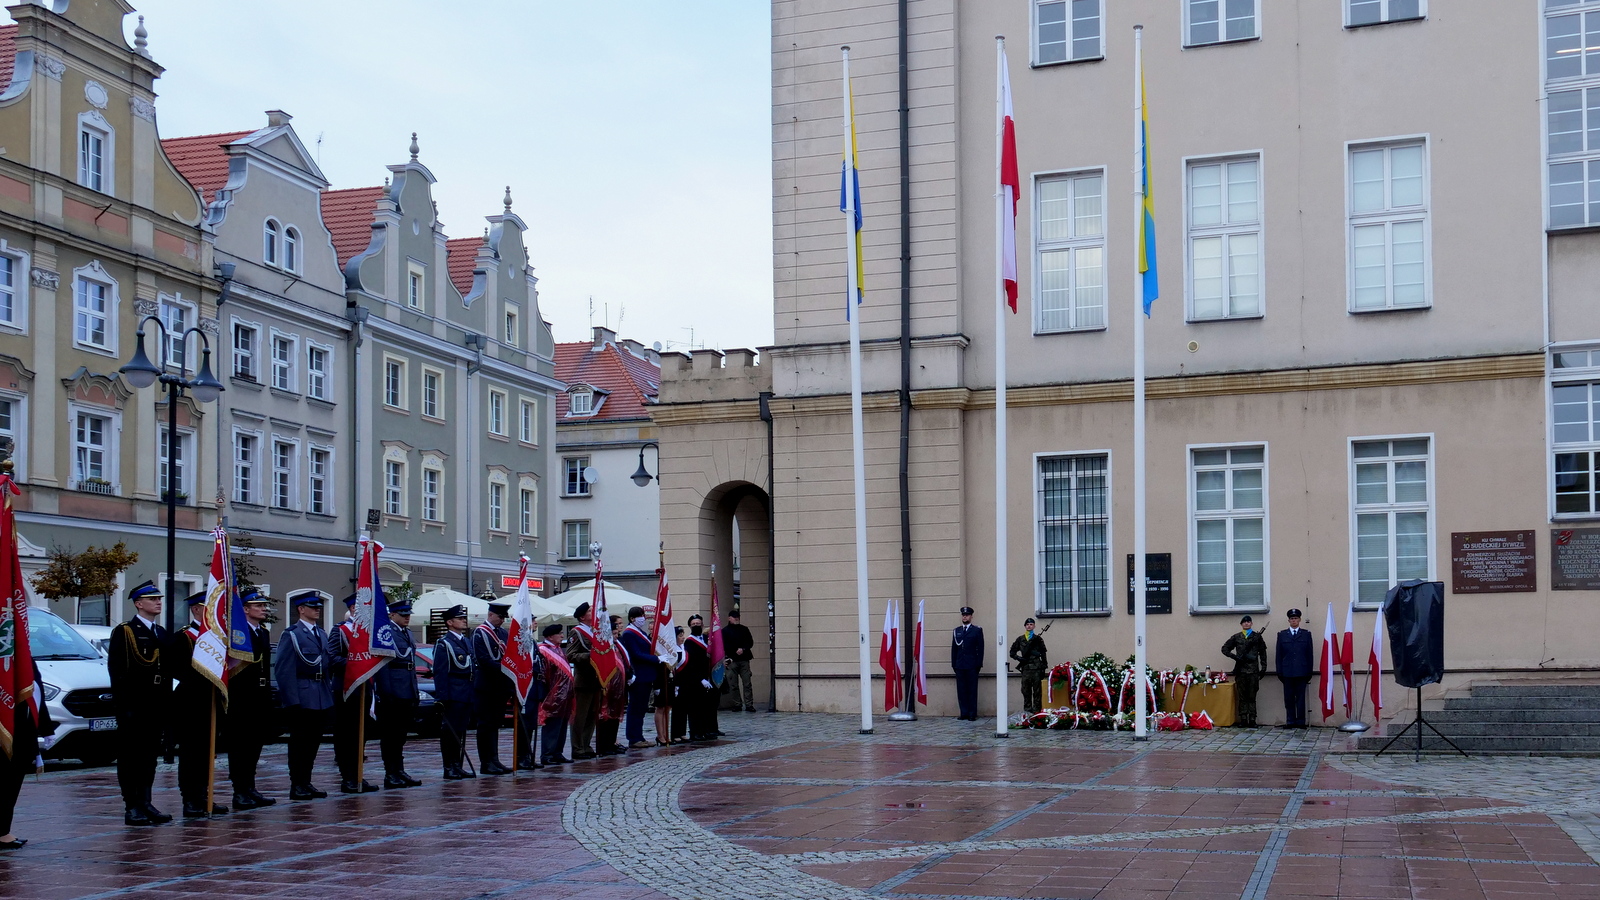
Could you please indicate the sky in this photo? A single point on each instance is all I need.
(635, 136)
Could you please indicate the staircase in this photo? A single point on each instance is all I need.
(1518, 719)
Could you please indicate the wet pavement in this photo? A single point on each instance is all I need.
(801, 806)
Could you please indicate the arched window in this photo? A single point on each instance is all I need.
(291, 248)
(269, 243)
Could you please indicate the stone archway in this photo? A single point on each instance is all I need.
(734, 526)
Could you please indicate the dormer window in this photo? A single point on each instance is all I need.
(580, 402)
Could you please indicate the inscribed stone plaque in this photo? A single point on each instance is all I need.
(1492, 562)
(1157, 580)
(1575, 559)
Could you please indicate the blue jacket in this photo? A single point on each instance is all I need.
(303, 668)
(452, 669)
(1294, 654)
(641, 656)
(397, 680)
(488, 645)
(966, 647)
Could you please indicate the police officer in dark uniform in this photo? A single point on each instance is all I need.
(141, 695)
(349, 743)
(1029, 652)
(397, 699)
(966, 657)
(305, 688)
(490, 686)
(1248, 650)
(1294, 669)
(250, 706)
(452, 687)
(197, 707)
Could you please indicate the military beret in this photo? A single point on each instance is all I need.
(1244, 619)
(500, 609)
(148, 589)
(459, 611)
(581, 611)
(1029, 621)
(552, 628)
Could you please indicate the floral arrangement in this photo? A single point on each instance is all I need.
(1100, 692)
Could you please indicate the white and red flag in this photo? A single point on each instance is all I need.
(1375, 666)
(371, 639)
(520, 656)
(919, 665)
(211, 645)
(19, 696)
(1347, 654)
(663, 629)
(889, 659)
(1330, 658)
(602, 652)
(1010, 186)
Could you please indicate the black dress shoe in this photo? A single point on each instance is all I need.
(217, 809)
(527, 765)
(347, 786)
(242, 801)
(494, 768)
(261, 799)
(301, 792)
(410, 782)
(368, 787)
(194, 810)
(136, 817)
(156, 815)
(13, 844)
(394, 781)
(453, 774)
(557, 760)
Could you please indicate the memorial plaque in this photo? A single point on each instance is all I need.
(1575, 559)
(1492, 562)
(1157, 580)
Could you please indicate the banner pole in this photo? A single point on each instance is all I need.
(857, 436)
(211, 755)
(1001, 600)
(361, 737)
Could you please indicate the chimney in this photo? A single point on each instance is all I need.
(634, 347)
(276, 117)
(602, 337)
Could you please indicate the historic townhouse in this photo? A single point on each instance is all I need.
(1374, 357)
(97, 231)
(453, 405)
(285, 422)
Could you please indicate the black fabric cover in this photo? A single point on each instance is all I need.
(1414, 611)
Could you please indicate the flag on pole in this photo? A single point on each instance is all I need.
(1010, 186)
(663, 629)
(1330, 658)
(372, 640)
(850, 198)
(1147, 215)
(1375, 667)
(18, 695)
(521, 651)
(213, 646)
(1347, 654)
(719, 654)
(919, 666)
(889, 659)
(602, 655)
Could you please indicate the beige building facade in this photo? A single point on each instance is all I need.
(1371, 343)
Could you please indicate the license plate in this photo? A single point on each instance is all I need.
(102, 724)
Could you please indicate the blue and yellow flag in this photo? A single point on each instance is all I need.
(1147, 215)
(850, 197)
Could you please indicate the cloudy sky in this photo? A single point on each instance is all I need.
(634, 135)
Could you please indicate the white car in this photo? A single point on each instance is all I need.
(98, 635)
(77, 690)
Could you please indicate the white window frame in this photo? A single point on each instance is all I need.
(1574, 372)
(528, 507)
(21, 279)
(430, 405)
(394, 488)
(92, 123)
(312, 450)
(94, 273)
(1074, 245)
(285, 478)
(292, 249)
(1264, 513)
(432, 500)
(1225, 231)
(497, 412)
(566, 538)
(1422, 13)
(1430, 508)
(284, 374)
(1033, 34)
(416, 285)
(252, 357)
(1586, 86)
(111, 464)
(271, 242)
(247, 472)
(318, 381)
(175, 352)
(511, 323)
(1388, 217)
(1222, 24)
(528, 421)
(395, 399)
(573, 412)
(186, 462)
(496, 504)
(1113, 576)
(568, 479)
(19, 426)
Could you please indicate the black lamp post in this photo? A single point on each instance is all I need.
(142, 373)
(641, 476)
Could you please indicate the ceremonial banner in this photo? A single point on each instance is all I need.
(719, 664)
(1347, 654)
(889, 659)
(216, 643)
(1375, 667)
(602, 655)
(372, 641)
(918, 663)
(1330, 658)
(518, 660)
(663, 630)
(17, 694)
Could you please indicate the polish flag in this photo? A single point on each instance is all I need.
(1010, 186)
(521, 652)
(1375, 667)
(1330, 658)
(889, 659)
(1347, 654)
(919, 672)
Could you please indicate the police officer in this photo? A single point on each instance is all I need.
(1029, 652)
(349, 743)
(397, 699)
(966, 657)
(1248, 650)
(452, 687)
(250, 707)
(305, 686)
(141, 696)
(1294, 669)
(490, 686)
(196, 704)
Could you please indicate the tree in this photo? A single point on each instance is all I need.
(92, 573)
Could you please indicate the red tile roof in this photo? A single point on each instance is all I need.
(202, 161)
(628, 380)
(348, 214)
(463, 253)
(8, 53)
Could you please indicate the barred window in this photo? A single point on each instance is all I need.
(1073, 535)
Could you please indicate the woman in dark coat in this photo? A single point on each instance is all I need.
(24, 756)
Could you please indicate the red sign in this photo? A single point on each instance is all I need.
(511, 583)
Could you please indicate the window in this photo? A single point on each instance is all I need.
(577, 485)
(94, 162)
(394, 383)
(431, 479)
(1225, 239)
(1572, 125)
(10, 305)
(1069, 252)
(575, 540)
(269, 243)
(430, 393)
(1388, 227)
(1073, 537)
(511, 325)
(291, 249)
(394, 488)
(283, 353)
(94, 460)
(317, 372)
(1393, 514)
(1229, 527)
(91, 302)
(1575, 419)
(497, 412)
(283, 454)
(244, 351)
(580, 402)
(11, 416)
(416, 285)
(497, 506)
(1375, 12)
(179, 467)
(175, 316)
(1066, 31)
(525, 432)
(525, 507)
(244, 468)
(1218, 21)
(320, 491)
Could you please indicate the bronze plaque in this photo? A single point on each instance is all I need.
(1575, 559)
(1492, 562)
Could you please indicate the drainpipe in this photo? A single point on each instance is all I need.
(910, 712)
(357, 316)
(772, 563)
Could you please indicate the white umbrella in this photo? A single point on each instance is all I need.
(617, 599)
(444, 598)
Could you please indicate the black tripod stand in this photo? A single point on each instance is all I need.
(1419, 723)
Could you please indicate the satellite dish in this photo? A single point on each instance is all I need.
(656, 346)
(590, 476)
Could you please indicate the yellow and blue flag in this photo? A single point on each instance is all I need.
(850, 199)
(1147, 214)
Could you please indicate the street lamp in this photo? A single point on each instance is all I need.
(641, 476)
(142, 373)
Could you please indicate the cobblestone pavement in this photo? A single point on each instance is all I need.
(803, 806)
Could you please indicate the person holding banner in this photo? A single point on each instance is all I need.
(556, 707)
(349, 743)
(490, 686)
(141, 696)
(397, 699)
(306, 690)
(24, 718)
(586, 689)
(643, 664)
(196, 703)
(250, 707)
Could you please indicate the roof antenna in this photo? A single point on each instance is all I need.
(319, 148)
(591, 312)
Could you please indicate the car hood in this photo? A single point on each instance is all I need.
(73, 674)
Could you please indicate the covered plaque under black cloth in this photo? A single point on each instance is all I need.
(1414, 611)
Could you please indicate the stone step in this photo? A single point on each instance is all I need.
(1537, 690)
(1520, 702)
(1513, 716)
(1553, 746)
(1517, 729)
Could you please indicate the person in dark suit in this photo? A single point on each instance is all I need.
(250, 707)
(694, 683)
(555, 708)
(305, 687)
(349, 742)
(966, 657)
(1248, 650)
(197, 709)
(1294, 669)
(491, 688)
(141, 694)
(23, 760)
(452, 688)
(397, 699)
(644, 666)
(739, 644)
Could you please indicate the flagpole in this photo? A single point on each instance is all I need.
(857, 439)
(1140, 151)
(211, 756)
(1001, 613)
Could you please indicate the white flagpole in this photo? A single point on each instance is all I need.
(1000, 612)
(1140, 704)
(858, 441)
